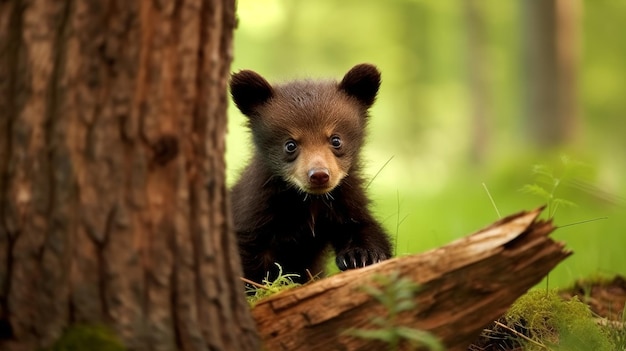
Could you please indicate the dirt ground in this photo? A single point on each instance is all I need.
(606, 299)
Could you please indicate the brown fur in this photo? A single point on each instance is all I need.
(303, 190)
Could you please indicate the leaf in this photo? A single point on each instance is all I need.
(380, 321)
(419, 337)
(405, 305)
(563, 202)
(543, 175)
(537, 190)
(543, 170)
(376, 334)
(372, 291)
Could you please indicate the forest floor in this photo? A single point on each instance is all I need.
(606, 299)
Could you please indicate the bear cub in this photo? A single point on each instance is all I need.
(302, 190)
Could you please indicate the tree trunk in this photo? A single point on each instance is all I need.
(113, 205)
(479, 76)
(551, 47)
(465, 285)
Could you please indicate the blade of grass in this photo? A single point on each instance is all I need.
(377, 173)
(493, 203)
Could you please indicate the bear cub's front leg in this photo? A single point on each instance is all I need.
(358, 254)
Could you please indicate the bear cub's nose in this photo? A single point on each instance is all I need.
(318, 176)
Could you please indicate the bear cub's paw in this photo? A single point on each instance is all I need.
(357, 257)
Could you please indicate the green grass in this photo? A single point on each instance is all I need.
(269, 287)
(432, 219)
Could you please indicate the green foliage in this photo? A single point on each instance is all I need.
(271, 287)
(552, 323)
(87, 337)
(547, 182)
(396, 295)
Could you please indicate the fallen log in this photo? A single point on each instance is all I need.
(464, 286)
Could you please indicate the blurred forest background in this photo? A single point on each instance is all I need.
(474, 92)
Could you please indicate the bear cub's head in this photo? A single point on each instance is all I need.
(308, 132)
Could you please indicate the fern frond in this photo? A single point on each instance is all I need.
(538, 190)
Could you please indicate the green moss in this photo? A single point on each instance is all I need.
(87, 337)
(555, 324)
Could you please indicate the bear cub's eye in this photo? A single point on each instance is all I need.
(290, 146)
(335, 141)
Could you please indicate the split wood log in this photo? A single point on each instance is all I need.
(464, 286)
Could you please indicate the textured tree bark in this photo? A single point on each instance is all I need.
(113, 205)
(465, 285)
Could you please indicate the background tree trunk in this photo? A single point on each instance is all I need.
(478, 63)
(551, 48)
(113, 201)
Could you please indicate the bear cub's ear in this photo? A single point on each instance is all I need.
(362, 82)
(249, 91)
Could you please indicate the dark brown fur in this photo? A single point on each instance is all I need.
(290, 205)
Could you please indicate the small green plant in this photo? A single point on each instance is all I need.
(282, 282)
(548, 322)
(396, 295)
(547, 181)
